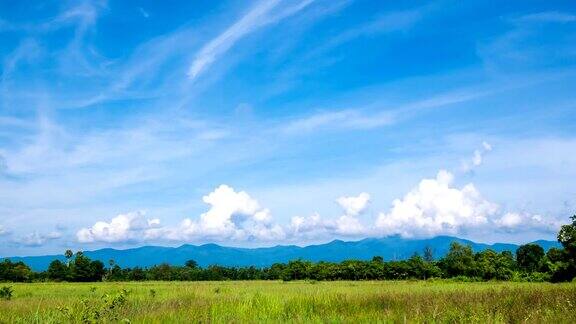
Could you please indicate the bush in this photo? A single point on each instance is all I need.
(531, 277)
(465, 279)
(6, 292)
(107, 309)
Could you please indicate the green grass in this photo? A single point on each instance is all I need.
(259, 301)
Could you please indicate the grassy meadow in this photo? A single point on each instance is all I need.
(301, 301)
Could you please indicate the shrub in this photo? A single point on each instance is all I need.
(107, 309)
(465, 279)
(531, 277)
(6, 292)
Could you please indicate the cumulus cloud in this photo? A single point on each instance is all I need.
(132, 226)
(311, 227)
(354, 206)
(232, 216)
(514, 222)
(435, 207)
(349, 224)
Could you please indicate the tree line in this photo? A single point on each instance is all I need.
(529, 263)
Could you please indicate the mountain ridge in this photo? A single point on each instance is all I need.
(390, 248)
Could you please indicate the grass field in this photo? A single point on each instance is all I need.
(258, 301)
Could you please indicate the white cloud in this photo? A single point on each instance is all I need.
(32, 239)
(549, 17)
(477, 158)
(343, 119)
(315, 227)
(124, 227)
(311, 227)
(26, 52)
(37, 239)
(434, 207)
(257, 17)
(349, 224)
(155, 222)
(354, 206)
(364, 118)
(514, 222)
(232, 216)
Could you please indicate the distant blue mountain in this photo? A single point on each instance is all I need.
(390, 248)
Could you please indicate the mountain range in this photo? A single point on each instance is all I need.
(390, 248)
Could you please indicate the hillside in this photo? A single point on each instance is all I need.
(390, 248)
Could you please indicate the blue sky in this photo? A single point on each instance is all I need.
(255, 123)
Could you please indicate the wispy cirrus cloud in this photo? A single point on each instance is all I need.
(527, 45)
(373, 118)
(258, 16)
(397, 21)
(548, 17)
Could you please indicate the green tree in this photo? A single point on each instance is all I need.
(529, 257)
(506, 265)
(97, 270)
(275, 271)
(81, 267)
(564, 262)
(493, 265)
(191, 264)
(115, 273)
(57, 271)
(137, 274)
(377, 259)
(556, 255)
(567, 237)
(296, 270)
(15, 271)
(459, 261)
